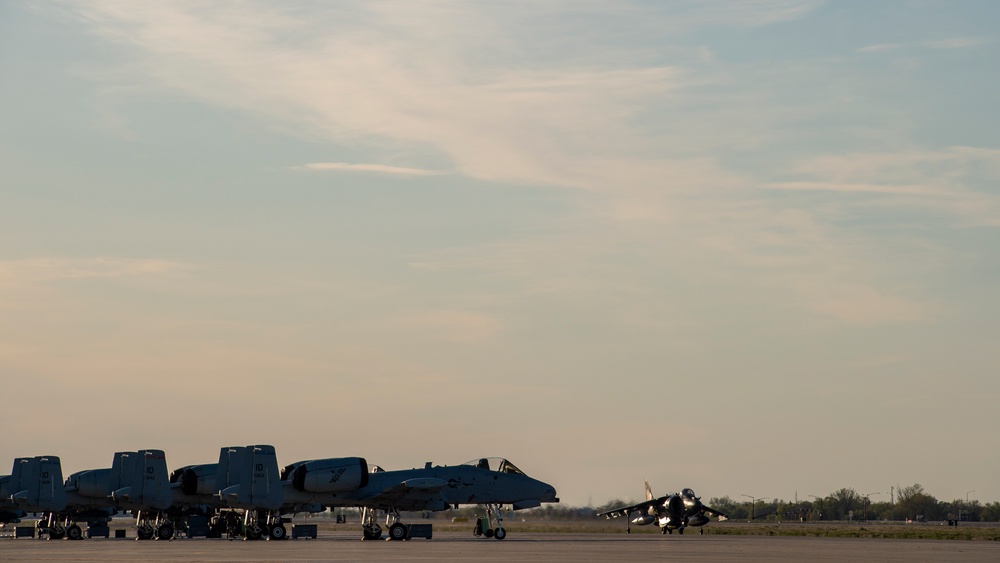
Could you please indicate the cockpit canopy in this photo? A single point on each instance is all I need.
(688, 493)
(497, 464)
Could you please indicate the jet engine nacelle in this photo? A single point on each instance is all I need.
(93, 483)
(644, 520)
(699, 520)
(331, 475)
(197, 479)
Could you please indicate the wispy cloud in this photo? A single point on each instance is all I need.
(959, 42)
(855, 188)
(720, 13)
(373, 76)
(882, 47)
(951, 43)
(957, 182)
(634, 132)
(455, 326)
(31, 270)
(866, 305)
(380, 75)
(379, 168)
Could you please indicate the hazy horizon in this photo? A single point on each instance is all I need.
(742, 247)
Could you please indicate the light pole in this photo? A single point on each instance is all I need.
(967, 496)
(867, 501)
(966, 505)
(820, 501)
(753, 504)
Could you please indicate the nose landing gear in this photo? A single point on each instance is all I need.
(484, 525)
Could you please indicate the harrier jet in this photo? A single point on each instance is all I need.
(675, 511)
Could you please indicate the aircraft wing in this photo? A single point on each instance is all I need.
(642, 507)
(412, 494)
(712, 511)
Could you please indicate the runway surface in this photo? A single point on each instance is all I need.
(454, 546)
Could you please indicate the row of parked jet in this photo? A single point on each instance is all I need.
(246, 494)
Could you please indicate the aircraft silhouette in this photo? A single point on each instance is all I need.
(675, 511)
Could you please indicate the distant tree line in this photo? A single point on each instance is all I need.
(905, 503)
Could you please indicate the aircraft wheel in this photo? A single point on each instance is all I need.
(277, 532)
(165, 532)
(74, 532)
(371, 532)
(57, 533)
(144, 533)
(680, 530)
(488, 533)
(499, 533)
(397, 531)
(701, 532)
(253, 532)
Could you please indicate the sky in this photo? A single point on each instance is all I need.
(751, 248)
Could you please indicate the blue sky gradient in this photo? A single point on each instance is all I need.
(745, 247)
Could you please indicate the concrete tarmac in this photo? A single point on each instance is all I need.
(455, 546)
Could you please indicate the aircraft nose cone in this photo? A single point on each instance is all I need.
(549, 495)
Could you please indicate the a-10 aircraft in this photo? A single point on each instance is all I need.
(34, 485)
(492, 482)
(675, 511)
(245, 493)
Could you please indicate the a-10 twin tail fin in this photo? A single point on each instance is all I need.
(248, 477)
(139, 479)
(36, 484)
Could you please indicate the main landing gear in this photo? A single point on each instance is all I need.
(57, 528)
(250, 525)
(262, 524)
(484, 525)
(149, 526)
(398, 531)
(370, 530)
